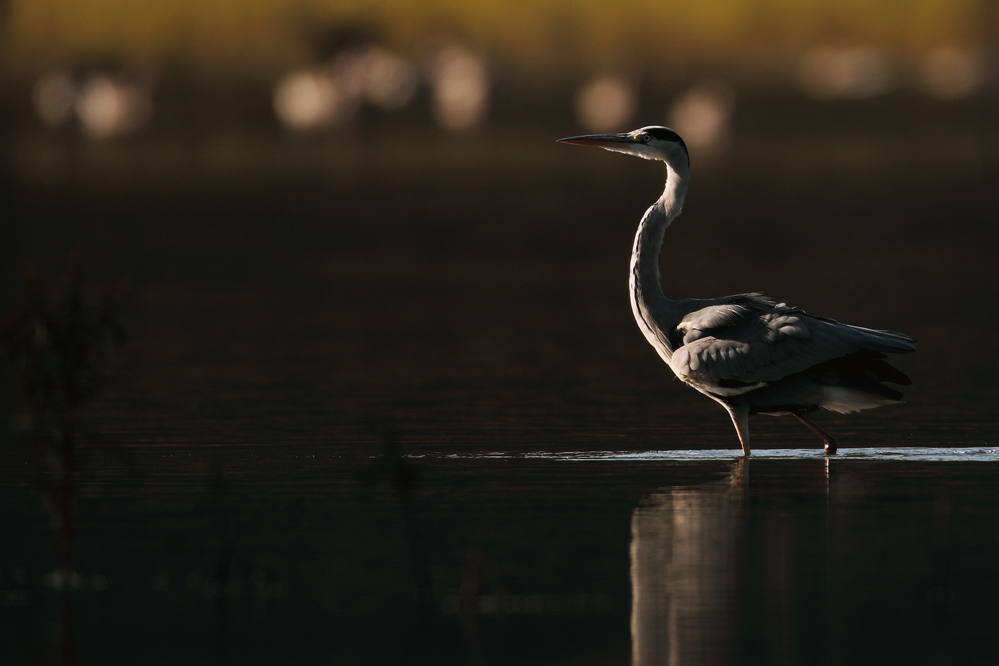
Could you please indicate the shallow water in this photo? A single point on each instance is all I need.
(897, 453)
(244, 555)
(404, 416)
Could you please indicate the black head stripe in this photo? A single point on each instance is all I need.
(663, 134)
(666, 134)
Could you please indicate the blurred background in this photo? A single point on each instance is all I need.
(305, 312)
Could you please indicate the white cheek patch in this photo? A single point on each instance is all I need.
(636, 149)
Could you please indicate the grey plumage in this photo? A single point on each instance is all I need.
(750, 354)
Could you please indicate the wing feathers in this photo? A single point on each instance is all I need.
(752, 340)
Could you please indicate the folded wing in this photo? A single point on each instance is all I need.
(741, 345)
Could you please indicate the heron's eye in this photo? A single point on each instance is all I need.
(646, 138)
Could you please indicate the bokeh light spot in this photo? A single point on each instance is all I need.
(109, 107)
(951, 73)
(702, 115)
(306, 100)
(459, 82)
(605, 103)
(54, 95)
(854, 73)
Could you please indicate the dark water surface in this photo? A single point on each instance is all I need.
(391, 407)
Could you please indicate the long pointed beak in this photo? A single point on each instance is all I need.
(599, 140)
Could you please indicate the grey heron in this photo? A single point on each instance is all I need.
(747, 352)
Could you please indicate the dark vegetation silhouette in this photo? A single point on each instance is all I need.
(62, 346)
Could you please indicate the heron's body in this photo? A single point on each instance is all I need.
(750, 354)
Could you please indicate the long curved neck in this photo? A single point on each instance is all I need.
(656, 315)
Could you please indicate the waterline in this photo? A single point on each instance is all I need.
(957, 454)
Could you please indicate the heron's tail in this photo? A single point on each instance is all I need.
(888, 342)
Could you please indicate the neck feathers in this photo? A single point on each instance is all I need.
(656, 315)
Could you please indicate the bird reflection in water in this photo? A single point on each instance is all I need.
(684, 544)
(818, 561)
(721, 575)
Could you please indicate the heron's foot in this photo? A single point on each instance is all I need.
(827, 439)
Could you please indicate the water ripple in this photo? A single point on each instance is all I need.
(962, 454)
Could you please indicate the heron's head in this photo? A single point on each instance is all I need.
(651, 143)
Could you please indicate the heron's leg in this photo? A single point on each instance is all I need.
(740, 419)
(830, 443)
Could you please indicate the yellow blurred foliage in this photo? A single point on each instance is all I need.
(266, 35)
